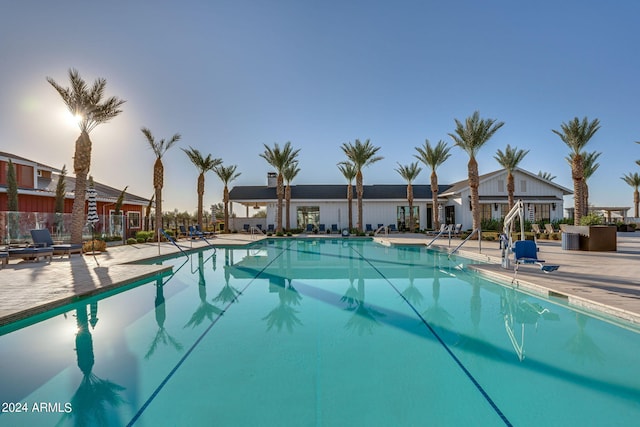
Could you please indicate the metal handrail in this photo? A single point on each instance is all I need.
(170, 239)
(446, 229)
(477, 230)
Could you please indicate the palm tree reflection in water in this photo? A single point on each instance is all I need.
(205, 310)
(582, 346)
(364, 318)
(162, 336)
(88, 402)
(283, 315)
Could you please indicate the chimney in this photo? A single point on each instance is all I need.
(272, 179)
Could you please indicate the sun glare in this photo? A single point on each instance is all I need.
(72, 120)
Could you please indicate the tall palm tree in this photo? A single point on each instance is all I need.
(226, 175)
(510, 159)
(433, 157)
(204, 165)
(589, 168)
(280, 159)
(576, 134)
(471, 136)
(633, 179)
(409, 173)
(349, 172)
(546, 175)
(360, 155)
(87, 105)
(289, 173)
(159, 148)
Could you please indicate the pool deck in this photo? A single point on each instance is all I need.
(608, 282)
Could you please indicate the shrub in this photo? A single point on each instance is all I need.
(543, 236)
(94, 246)
(279, 233)
(141, 240)
(555, 236)
(591, 219)
(131, 241)
(145, 236)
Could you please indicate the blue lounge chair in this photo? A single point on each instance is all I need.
(270, 228)
(42, 239)
(322, 228)
(309, 228)
(182, 232)
(368, 228)
(526, 252)
(31, 253)
(334, 229)
(393, 228)
(246, 228)
(199, 230)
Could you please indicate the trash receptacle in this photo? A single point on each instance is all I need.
(570, 241)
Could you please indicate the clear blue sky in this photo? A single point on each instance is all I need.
(233, 75)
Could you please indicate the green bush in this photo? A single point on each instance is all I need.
(591, 219)
(555, 236)
(145, 236)
(131, 241)
(141, 240)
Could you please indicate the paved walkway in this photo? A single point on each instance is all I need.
(608, 282)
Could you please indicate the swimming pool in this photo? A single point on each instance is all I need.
(319, 332)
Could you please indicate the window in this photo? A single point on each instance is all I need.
(403, 216)
(308, 215)
(134, 219)
(523, 186)
(541, 212)
(501, 186)
(486, 211)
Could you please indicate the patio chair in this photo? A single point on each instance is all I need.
(322, 228)
(42, 239)
(393, 228)
(456, 230)
(368, 228)
(182, 232)
(4, 259)
(309, 228)
(536, 229)
(526, 252)
(334, 228)
(31, 253)
(270, 228)
(195, 234)
(206, 233)
(548, 228)
(246, 228)
(443, 228)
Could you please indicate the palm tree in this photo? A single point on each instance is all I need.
(589, 168)
(349, 172)
(576, 134)
(360, 155)
(433, 157)
(633, 179)
(289, 173)
(203, 164)
(159, 148)
(409, 173)
(546, 175)
(226, 175)
(86, 104)
(471, 136)
(510, 159)
(280, 159)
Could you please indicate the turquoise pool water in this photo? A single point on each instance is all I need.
(319, 333)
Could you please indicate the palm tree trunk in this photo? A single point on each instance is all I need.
(434, 200)
(81, 165)
(585, 195)
(410, 199)
(360, 194)
(474, 182)
(636, 202)
(511, 188)
(577, 174)
(280, 193)
(158, 183)
(288, 205)
(200, 198)
(350, 208)
(225, 199)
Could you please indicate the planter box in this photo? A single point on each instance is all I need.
(595, 237)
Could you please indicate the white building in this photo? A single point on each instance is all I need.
(327, 205)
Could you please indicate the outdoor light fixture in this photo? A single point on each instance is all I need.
(553, 206)
(256, 206)
(495, 205)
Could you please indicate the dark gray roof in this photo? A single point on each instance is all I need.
(332, 192)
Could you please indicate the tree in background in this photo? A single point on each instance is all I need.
(280, 159)
(471, 136)
(509, 160)
(409, 172)
(289, 173)
(226, 175)
(203, 164)
(159, 149)
(633, 179)
(360, 155)
(433, 157)
(87, 105)
(546, 175)
(61, 191)
(349, 171)
(576, 134)
(12, 201)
